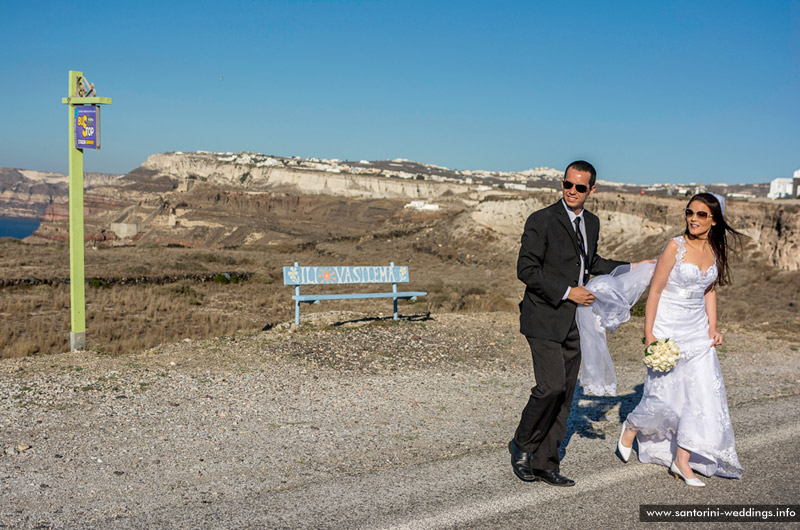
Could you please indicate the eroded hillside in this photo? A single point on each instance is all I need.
(202, 200)
(191, 255)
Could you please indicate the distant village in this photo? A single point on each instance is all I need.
(536, 179)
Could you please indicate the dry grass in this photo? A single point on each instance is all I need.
(34, 320)
(122, 319)
(468, 297)
(763, 298)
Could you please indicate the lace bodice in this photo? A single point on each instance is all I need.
(688, 276)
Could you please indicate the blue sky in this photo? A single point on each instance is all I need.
(647, 91)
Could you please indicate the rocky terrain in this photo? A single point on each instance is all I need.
(28, 193)
(91, 440)
(198, 397)
(227, 200)
(161, 240)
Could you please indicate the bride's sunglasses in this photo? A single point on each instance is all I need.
(580, 188)
(702, 215)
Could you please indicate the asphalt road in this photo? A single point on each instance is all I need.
(480, 491)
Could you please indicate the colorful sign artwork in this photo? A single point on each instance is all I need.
(87, 127)
(342, 275)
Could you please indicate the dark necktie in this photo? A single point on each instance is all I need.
(580, 235)
(583, 250)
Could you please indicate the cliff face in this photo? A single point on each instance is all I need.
(26, 193)
(207, 168)
(635, 226)
(24, 197)
(775, 229)
(204, 199)
(772, 229)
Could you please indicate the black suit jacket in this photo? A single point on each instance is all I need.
(548, 263)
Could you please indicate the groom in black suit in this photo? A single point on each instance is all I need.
(558, 252)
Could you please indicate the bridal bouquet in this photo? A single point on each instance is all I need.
(662, 355)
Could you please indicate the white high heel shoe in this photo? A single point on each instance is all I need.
(689, 481)
(624, 452)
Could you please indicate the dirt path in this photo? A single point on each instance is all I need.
(87, 438)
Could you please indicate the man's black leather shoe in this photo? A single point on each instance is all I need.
(551, 477)
(520, 462)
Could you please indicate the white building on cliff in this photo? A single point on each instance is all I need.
(782, 188)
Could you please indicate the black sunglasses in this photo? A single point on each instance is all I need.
(702, 215)
(580, 188)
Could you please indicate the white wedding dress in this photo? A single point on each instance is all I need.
(686, 406)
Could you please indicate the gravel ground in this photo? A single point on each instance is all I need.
(88, 438)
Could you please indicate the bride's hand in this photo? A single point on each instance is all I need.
(716, 337)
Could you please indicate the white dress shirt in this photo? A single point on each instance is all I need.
(572, 218)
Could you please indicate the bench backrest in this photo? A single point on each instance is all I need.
(344, 275)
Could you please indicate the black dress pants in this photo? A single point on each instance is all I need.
(544, 419)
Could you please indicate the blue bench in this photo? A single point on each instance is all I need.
(298, 276)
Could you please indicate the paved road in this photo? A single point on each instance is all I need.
(479, 490)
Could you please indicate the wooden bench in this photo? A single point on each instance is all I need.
(298, 276)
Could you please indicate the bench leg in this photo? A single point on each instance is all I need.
(297, 306)
(394, 290)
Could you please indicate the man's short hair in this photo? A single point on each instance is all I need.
(583, 166)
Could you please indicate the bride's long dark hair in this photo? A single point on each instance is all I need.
(717, 236)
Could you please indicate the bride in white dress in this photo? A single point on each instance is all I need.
(682, 420)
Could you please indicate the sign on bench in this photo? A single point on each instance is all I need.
(298, 276)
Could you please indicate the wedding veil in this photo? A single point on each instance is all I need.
(615, 294)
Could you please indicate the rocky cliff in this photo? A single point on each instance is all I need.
(223, 200)
(635, 223)
(287, 177)
(27, 193)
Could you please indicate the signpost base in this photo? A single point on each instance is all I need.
(77, 341)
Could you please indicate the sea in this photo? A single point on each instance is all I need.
(17, 227)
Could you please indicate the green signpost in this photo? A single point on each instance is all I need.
(84, 133)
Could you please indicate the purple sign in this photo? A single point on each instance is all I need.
(87, 127)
